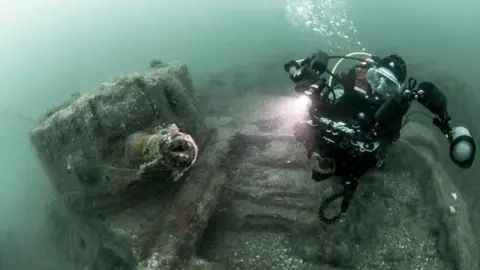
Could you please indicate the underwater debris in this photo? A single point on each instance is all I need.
(166, 147)
(114, 155)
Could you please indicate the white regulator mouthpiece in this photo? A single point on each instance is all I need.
(462, 148)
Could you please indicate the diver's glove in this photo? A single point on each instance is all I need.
(462, 147)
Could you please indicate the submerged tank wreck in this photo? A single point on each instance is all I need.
(146, 180)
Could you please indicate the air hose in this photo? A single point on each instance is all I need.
(321, 211)
(330, 80)
(349, 187)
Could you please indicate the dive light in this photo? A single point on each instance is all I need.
(462, 147)
(304, 103)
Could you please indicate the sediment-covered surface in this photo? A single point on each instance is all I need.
(248, 202)
(408, 215)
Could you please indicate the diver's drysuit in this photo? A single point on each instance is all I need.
(348, 125)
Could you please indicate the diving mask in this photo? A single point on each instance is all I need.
(383, 81)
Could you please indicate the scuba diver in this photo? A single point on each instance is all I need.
(348, 123)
